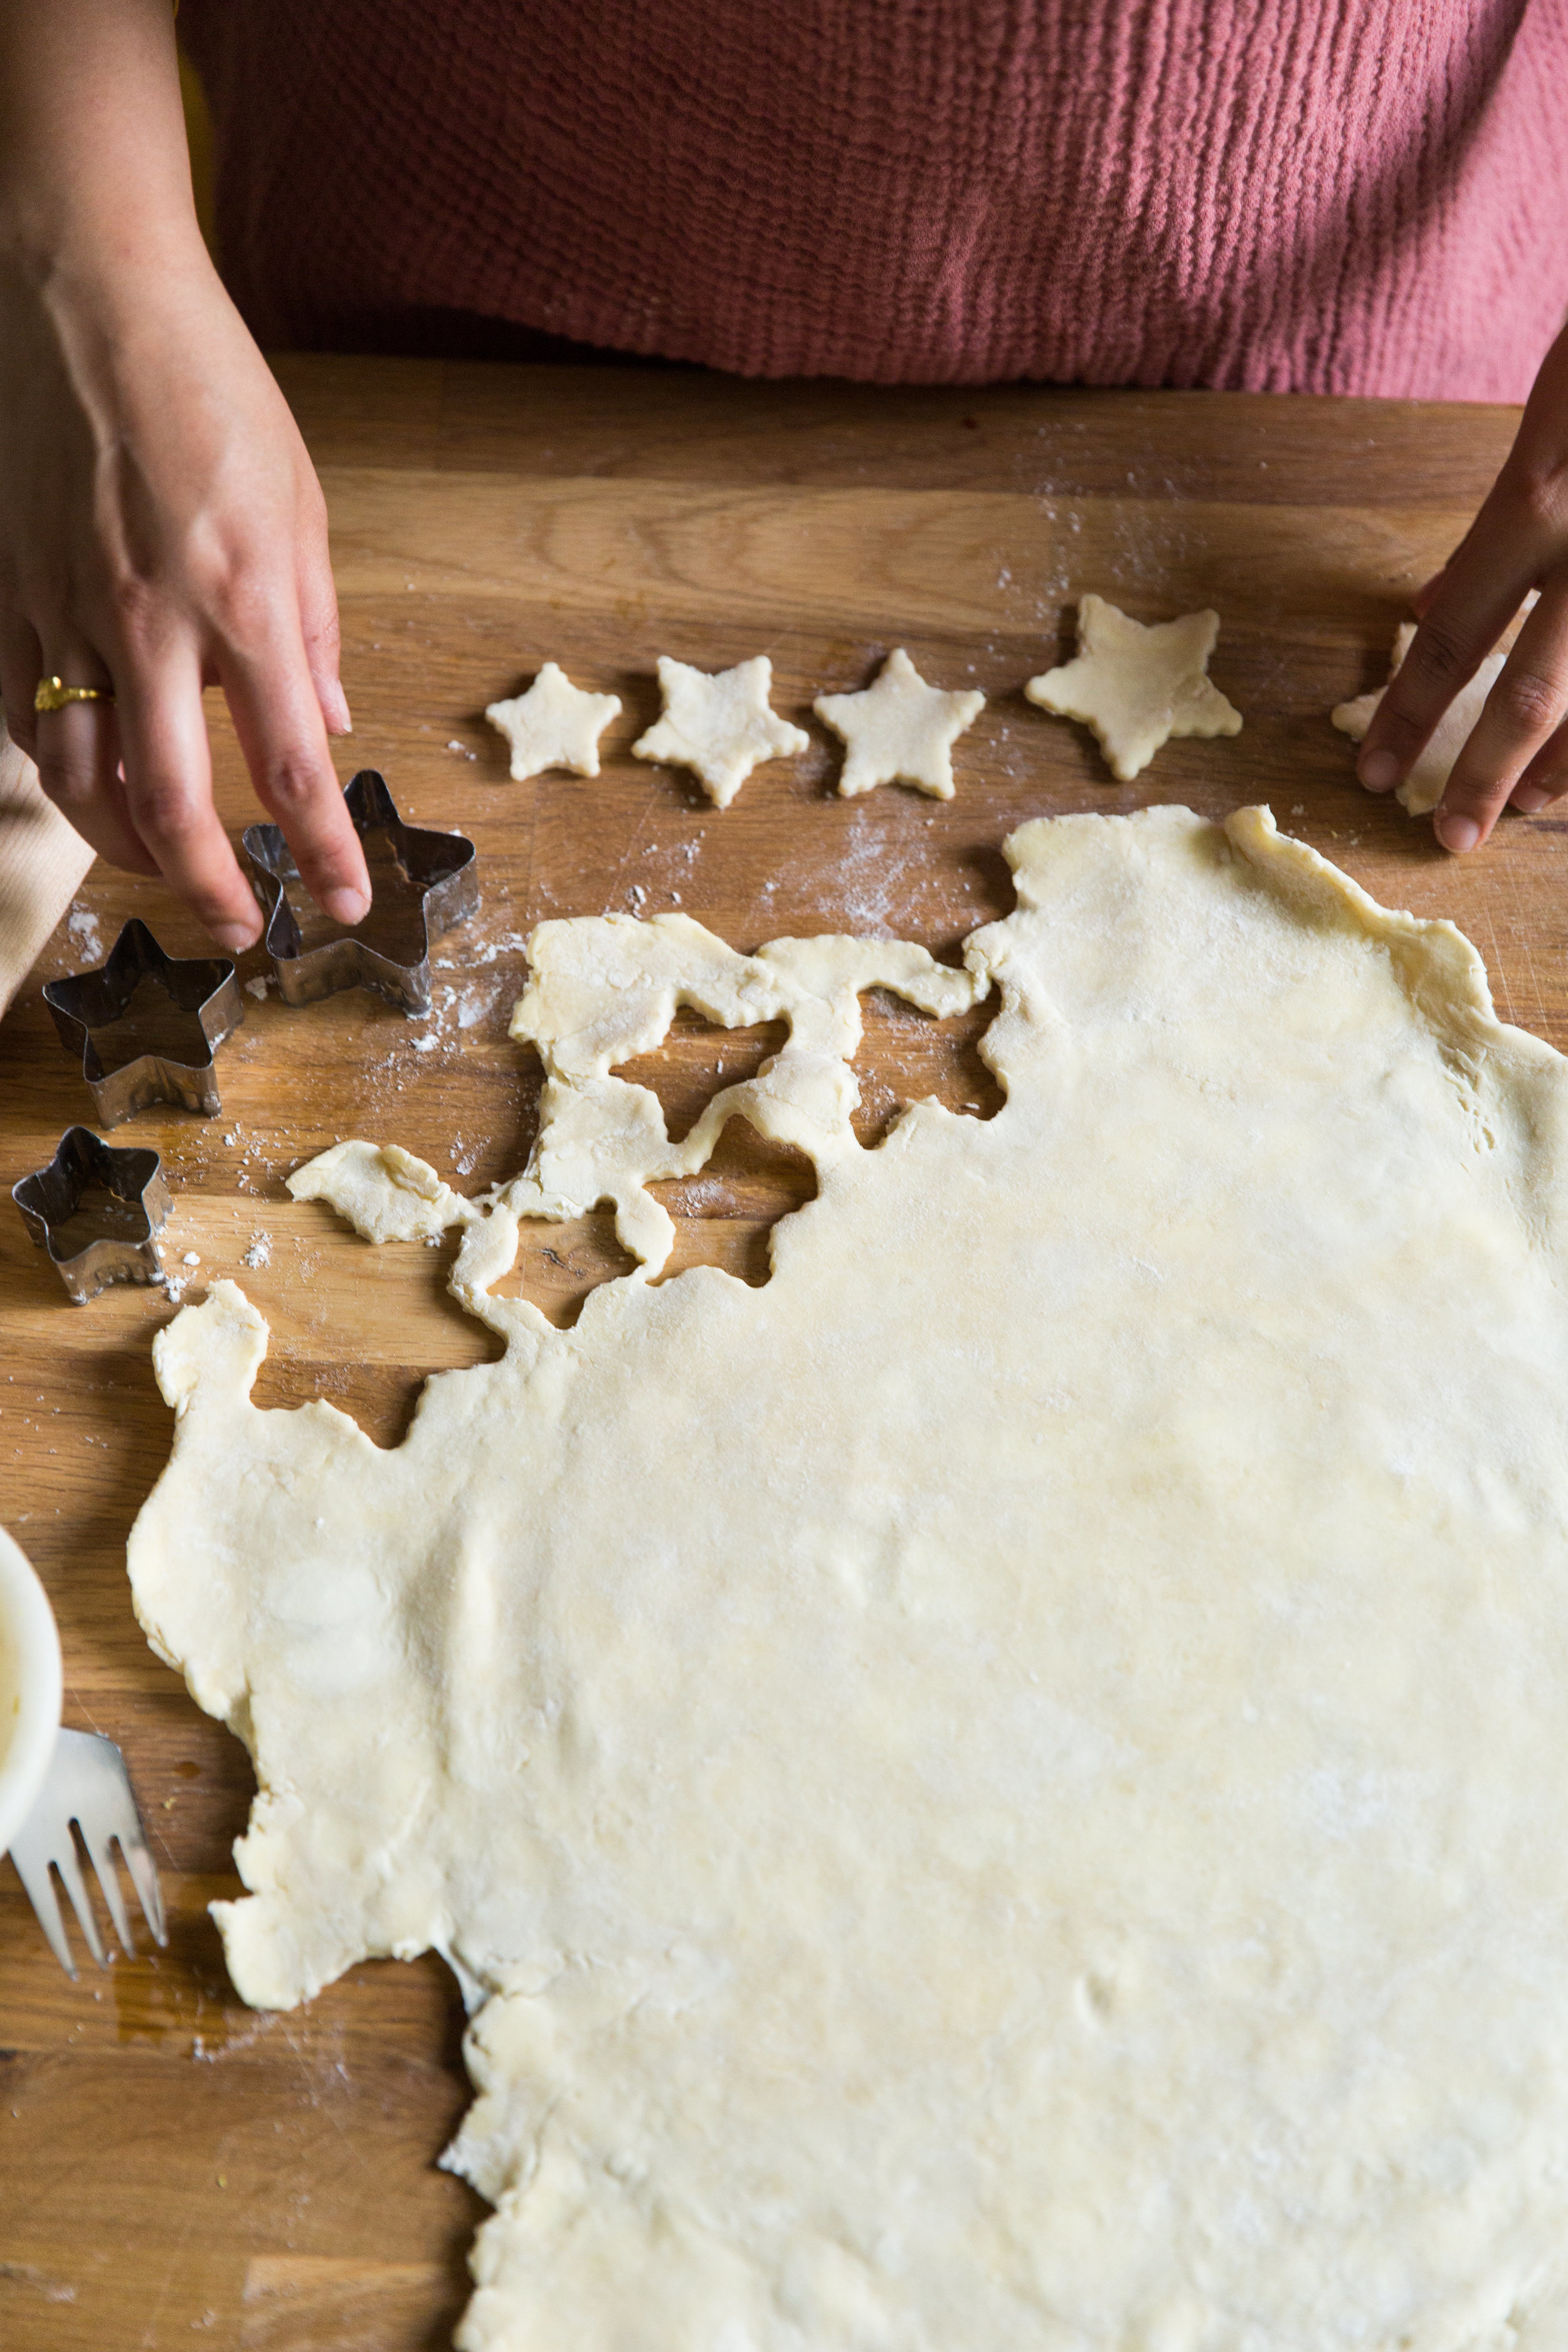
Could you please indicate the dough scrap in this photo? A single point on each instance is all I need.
(1425, 785)
(719, 724)
(899, 730)
(1137, 684)
(554, 725)
(1004, 1788)
(383, 1191)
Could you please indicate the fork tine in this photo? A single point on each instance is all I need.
(143, 1877)
(102, 1860)
(82, 1904)
(40, 1892)
(115, 1815)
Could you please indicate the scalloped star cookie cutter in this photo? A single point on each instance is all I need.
(1136, 684)
(899, 730)
(719, 724)
(554, 725)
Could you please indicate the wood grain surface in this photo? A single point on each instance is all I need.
(174, 2169)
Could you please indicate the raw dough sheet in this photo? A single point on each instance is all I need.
(1004, 1789)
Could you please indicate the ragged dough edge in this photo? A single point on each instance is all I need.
(1444, 977)
(1442, 971)
(205, 1363)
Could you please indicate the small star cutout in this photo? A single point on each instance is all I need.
(553, 725)
(719, 724)
(899, 731)
(1135, 686)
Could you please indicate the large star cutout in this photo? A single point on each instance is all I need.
(1428, 780)
(553, 725)
(1137, 685)
(899, 731)
(719, 724)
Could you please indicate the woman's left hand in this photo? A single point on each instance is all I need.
(1518, 750)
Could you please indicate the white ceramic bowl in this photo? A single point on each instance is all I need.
(29, 1687)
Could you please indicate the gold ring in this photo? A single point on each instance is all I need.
(53, 694)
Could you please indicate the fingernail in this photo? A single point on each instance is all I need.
(1456, 831)
(346, 906)
(1379, 772)
(339, 721)
(1530, 799)
(234, 938)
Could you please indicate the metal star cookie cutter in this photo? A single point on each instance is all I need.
(204, 994)
(438, 869)
(124, 1248)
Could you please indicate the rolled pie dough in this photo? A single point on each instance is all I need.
(1006, 1789)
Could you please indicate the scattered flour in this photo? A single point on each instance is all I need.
(508, 943)
(259, 1254)
(85, 936)
(871, 871)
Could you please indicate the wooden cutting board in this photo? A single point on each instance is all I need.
(175, 2169)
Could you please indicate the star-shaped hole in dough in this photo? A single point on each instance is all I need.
(899, 731)
(554, 725)
(1138, 684)
(1428, 778)
(718, 724)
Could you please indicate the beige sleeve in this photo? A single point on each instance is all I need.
(42, 859)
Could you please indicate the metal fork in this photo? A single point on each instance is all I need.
(86, 1784)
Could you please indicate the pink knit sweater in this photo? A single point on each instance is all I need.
(1308, 195)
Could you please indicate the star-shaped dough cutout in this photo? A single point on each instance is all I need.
(553, 725)
(719, 724)
(899, 730)
(1137, 684)
(1428, 780)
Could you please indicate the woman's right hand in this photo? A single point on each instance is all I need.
(161, 529)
